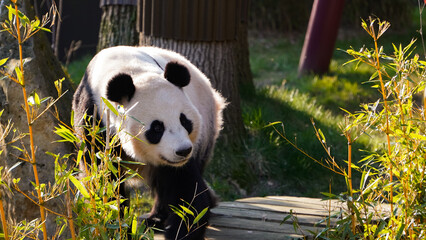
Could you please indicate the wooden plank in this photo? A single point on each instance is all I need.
(317, 201)
(316, 204)
(221, 222)
(303, 219)
(238, 234)
(335, 204)
(277, 208)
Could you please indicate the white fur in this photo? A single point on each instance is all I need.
(157, 99)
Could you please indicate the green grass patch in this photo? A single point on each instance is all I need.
(77, 68)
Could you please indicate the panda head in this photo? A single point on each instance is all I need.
(162, 124)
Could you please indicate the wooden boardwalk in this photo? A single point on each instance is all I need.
(260, 218)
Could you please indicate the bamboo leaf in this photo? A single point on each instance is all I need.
(66, 134)
(14, 166)
(178, 212)
(35, 24)
(36, 99)
(322, 135)
(79, 186)
(137, 120)
(58, 85)
(11, 11)
(364, 25)
(23, 17)
(134, 225)
(200, 215)
(16, 180)
(273, 124)
(72, 119)
(329, 195)
(133, 162)
(45, 29)
(3, 61)
(187, 210)
(62, 229)
(18, 148)
(381, 226)
(400, 231)
(286, 218)
(129, 177)
(112, 168)
(110, 106)
(19, 75)
(364, 177)
(112, 226)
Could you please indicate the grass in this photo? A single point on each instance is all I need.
(77, 68)
(268, 165)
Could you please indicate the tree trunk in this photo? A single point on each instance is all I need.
(244, 75)
(118, 26)
(41, 69)
(219, 61)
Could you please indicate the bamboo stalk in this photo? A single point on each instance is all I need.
(352, 205)
(69, 211)
(383, 90)
(3, 219)
(30, 128)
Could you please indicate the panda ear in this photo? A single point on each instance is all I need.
(177, 74)
(120, 87)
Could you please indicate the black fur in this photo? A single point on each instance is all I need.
(83, 103)
(177, 74)
(119, 87)
(172, 185)
(83, 99)
(186, 123)
(155, 132)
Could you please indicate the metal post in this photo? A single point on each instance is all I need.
(321, 36)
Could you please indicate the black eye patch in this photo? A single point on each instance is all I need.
(186, 123)
(155, 132)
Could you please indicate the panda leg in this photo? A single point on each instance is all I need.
(172, 185)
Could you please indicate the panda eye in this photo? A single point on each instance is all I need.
(155, 132)
(158, 128)
(186, 123)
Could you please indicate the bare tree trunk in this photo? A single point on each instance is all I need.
(244, 75)
(118, 26)
(219, 61)
(41, 70)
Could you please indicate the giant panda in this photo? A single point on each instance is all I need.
(173, 119)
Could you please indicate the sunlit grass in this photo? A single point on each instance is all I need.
(77, 68)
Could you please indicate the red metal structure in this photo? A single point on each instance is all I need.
(321, 36)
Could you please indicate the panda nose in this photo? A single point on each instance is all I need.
(184, 152)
